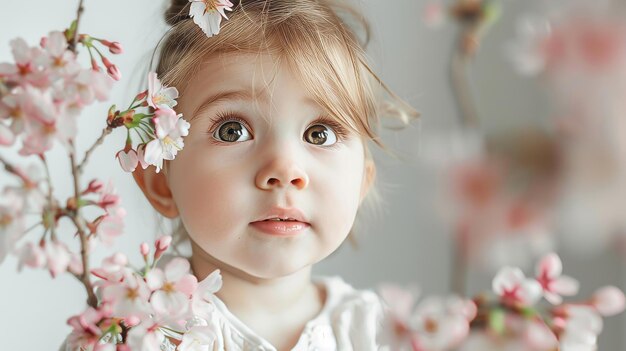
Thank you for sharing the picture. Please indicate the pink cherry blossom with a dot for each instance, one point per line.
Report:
(128, 298)
(170, 130)
(113, 270)
(12, 108)
(86, 332)
(158, 95)
(514, 288)
(608, 301)
(553, 283)
(109, 200)
(47, 121)
(30, 192)
(61, 62)
(207, 14)
(27, 69)
(172, 288)
(87, 86)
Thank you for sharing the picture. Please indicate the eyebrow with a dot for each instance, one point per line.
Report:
(227, 96)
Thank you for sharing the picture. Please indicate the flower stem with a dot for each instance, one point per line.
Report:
(51, 201)
(106, 131)
(92, 300)
(79, 13)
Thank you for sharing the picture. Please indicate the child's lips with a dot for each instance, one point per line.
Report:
(280, 228)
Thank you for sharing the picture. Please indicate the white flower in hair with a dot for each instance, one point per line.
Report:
(207, 14)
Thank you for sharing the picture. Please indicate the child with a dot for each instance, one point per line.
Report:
(274, 169)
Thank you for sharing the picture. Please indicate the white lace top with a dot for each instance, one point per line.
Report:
(349, 320)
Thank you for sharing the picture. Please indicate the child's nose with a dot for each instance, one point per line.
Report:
(281, 172)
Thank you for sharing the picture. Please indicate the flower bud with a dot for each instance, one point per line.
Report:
(43, 42)
(163, 243)
(141, 95)
(94, 186)
(116, 48)
(114, 72)
(144, 249)
(94, 65)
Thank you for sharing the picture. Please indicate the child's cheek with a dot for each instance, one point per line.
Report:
(209, 193)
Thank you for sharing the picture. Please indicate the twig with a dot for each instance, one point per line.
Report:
(51, 202)
(460, 83)
(84, 243)
(106, 131)
(79, 13)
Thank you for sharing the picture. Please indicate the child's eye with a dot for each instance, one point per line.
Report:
(320, 134)
(232, 131)
(231, 128)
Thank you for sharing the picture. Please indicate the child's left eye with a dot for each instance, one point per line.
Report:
(320, 134)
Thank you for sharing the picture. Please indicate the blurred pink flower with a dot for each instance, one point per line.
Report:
(145, 337)
(31, 255)
(608, 301)
(434, 14)
(61, 62)
(514, 288)
(113, 270)
(86, 332)
(58, 257)
(27, 69)
(111, 226)
(580, 327)
(553, 283)
(442, 323)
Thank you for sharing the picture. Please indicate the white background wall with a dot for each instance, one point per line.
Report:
(407, 243)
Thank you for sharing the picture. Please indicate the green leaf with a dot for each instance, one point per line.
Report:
(69, 33)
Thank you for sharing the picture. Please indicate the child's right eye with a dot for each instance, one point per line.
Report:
(232, 130)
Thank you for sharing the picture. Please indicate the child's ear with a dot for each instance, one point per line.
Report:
(156, 189)
(369, 175)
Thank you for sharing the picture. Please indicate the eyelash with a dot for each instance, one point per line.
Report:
(226, 116)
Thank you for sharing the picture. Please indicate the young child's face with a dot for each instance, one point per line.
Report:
(274, 160)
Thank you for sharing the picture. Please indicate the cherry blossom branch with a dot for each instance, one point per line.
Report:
(106, 131)
(79, 13)
(51, 203)
(461, 87)
(80, 227)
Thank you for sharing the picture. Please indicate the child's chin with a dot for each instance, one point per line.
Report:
(276, 269)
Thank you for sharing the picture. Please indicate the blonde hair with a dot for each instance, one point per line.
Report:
(312, 38)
